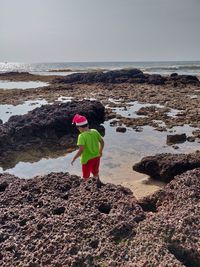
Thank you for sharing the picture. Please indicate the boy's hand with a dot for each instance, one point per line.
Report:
(80, 151)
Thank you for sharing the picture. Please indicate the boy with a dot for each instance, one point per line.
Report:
(91, 145)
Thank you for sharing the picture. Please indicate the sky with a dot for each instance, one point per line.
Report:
(99, 30)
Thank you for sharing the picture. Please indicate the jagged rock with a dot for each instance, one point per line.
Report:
(173, 75)
(116, 76)
(190, 138)
(1, 121)
(26, 76)
(14, 74)
(169, 236)
(175, 147)
(121, 129)
(184, 79)
(60, 220)
(176, 138)
(55, 217)
(156, 79)
(48, 123)
(165, 166)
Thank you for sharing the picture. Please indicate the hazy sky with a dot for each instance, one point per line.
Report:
(99, 30)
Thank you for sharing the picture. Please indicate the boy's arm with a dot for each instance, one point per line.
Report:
(80, 151)
(101, 146)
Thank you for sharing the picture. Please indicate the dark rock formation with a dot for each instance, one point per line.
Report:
(26, 76)
(165, 166)
(184, 79)
(117, 76)
(46, 126)
(156, 79)
(14, 74)
(170, 235)
(176, 138)
(121, 129)
(191, 139)
(127, 76)
(174, 75)
(60, 220)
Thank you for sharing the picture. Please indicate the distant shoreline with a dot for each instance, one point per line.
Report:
(159, 67)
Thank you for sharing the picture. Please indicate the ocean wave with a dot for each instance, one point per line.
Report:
(78, 70)
(172, 68)
(192, 67)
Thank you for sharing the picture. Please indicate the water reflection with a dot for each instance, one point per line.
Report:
(6, 111)
(121, 152)
(129, 109)
(21, 85)
(33, 154)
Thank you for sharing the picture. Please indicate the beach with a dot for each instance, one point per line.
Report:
(145, 210)
(148, 113)
(131, 71)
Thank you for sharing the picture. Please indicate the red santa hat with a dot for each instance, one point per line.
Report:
(79, 120)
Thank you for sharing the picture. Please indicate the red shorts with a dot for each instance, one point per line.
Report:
(92, 166)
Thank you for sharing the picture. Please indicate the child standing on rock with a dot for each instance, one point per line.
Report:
(91, 145)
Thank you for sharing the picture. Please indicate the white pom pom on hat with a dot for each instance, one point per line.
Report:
(79, 120)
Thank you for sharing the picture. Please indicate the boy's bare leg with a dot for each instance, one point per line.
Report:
(96, 177)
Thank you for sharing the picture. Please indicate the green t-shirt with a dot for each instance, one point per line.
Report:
(90, 140)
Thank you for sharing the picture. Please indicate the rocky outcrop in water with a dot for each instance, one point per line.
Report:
(25, 76)
(47, 124)
(183, 79)
(117, 76)
(60, 220)
(165, 166)
(15, 75)
(176, 138)
(126, 76)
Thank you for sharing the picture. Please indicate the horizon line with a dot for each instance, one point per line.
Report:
(101, 61)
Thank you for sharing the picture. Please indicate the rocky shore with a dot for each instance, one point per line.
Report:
(165, 166)
(174, 101)
(26, 77)
(59, 220)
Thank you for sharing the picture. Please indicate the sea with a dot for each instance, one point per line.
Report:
(64, 68)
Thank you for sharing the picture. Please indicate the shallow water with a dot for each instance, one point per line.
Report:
(6, 111)
(64, 99)
(131, 108)
(121, 151)
(21, 85)
(49, 73)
